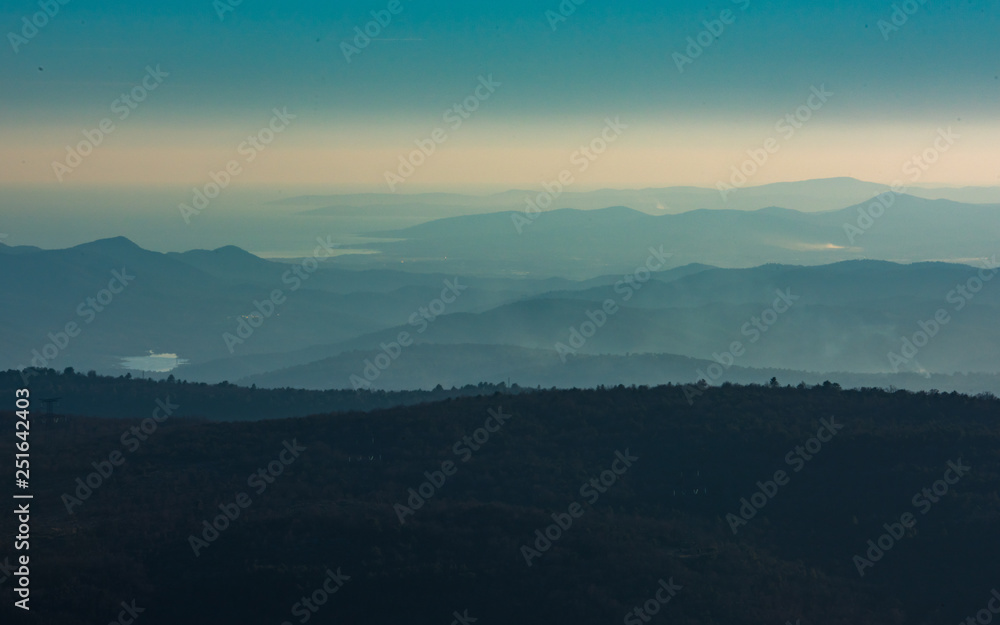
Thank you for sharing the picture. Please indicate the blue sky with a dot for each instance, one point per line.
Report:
(940, 68)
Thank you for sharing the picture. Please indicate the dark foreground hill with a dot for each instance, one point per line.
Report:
(753, 500)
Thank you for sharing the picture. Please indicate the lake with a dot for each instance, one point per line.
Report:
(158, 363)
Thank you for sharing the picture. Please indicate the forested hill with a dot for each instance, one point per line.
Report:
(758, 501)
(128, 397)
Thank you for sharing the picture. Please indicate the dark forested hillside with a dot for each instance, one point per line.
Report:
(128, 397)
(750, 503)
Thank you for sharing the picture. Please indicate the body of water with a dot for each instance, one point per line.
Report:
(159, 363)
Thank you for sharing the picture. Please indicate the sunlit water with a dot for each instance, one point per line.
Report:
(159, 363)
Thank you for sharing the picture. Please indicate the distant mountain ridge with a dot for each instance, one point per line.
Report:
(427, 366)
(806, 196)
(18, 249)
(849, 315)
(580, 244)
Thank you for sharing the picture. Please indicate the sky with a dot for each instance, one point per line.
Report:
(686, 115)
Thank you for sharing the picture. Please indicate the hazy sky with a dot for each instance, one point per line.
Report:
(892, 91)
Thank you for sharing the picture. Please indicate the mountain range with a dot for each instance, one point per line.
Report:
(581, 244)
(494, 305)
